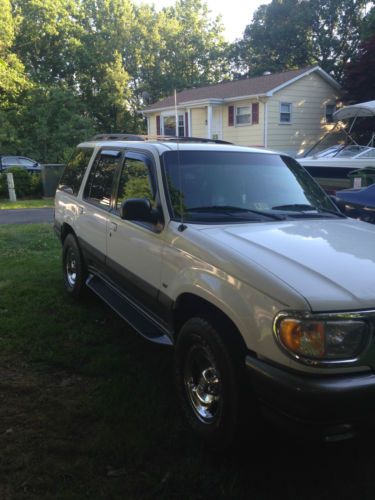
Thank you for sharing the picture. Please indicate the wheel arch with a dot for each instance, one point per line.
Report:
(65, 230)
(189, 305)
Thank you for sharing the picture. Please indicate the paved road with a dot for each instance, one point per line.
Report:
(26, 216)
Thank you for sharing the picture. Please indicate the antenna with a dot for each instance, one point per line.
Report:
(182, 226)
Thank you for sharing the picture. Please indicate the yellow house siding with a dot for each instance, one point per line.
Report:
(198, 122)
(308, 96)
(152, 124)
(243, 135)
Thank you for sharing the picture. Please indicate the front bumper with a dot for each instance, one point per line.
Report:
(320, 404)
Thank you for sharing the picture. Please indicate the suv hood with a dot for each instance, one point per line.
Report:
(331, 263)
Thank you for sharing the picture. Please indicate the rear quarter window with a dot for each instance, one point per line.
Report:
(75, 170)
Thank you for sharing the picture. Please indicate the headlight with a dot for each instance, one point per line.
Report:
(322, 339)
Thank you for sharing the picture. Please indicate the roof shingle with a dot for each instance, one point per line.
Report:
(245, 87)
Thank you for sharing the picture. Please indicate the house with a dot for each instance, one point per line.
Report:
(286, 111)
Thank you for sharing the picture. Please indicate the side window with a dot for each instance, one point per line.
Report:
(98, 188)
(75, 170)
(285, 112)
(135, 182)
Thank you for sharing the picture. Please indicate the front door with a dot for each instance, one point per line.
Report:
(134, 249)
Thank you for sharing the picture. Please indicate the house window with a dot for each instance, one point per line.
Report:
(285, 112)
(330, 109)
(169, 125)
(243, 115)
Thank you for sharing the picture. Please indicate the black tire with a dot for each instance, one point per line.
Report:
(217, 421)
(73, 267)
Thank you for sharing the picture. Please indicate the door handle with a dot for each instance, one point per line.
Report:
(113, 226)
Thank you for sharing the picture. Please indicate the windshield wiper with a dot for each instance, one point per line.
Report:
(298, 207)
(304, 208)
(229, 209)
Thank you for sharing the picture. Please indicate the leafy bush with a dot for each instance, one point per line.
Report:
(26, 184)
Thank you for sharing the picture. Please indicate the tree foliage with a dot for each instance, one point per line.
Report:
(358, 82)
(289, 34)
(70, 68)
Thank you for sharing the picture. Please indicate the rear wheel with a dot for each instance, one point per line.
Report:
(73, 267)
(207, 378)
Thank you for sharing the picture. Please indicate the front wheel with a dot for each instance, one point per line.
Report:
(208, 382)
(73, 267)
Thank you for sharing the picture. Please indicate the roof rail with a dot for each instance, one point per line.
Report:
(118, 137)
(162, 138)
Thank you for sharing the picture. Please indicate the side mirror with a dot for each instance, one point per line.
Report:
(65, 188)
(138, 209)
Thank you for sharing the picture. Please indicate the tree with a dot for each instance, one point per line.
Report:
(276, 39)
(12, 76)
(289, 34)
(358, 82)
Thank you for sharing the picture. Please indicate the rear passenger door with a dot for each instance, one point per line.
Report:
(134, 248)
(91, 223)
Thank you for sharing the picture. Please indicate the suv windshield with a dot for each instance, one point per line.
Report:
(224, 185)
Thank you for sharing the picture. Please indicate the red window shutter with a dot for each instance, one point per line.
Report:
(186, 124)
(230, 116)
(255, 113)
(158, 125)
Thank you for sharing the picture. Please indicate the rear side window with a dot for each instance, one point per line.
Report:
(75, 170)
(98, 188)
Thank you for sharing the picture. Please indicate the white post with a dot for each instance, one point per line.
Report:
(209, 121)
(11, 188)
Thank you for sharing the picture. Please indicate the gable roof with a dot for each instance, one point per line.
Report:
(247, 87)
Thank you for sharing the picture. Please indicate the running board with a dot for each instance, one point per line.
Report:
(129, 312)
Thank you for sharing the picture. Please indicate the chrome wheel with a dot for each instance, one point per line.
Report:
(71, 268)
(203, 385)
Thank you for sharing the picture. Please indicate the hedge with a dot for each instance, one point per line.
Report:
(28, 185)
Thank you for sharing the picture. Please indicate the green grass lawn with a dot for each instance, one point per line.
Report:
(42, 203)
(88, 408)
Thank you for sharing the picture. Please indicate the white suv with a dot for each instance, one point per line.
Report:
(239, 259)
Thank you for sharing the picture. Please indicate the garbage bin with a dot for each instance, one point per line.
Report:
(51, 174)
(362, 177)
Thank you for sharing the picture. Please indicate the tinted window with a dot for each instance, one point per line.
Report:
(26, 162)
(10, 160)
(75, 170)
(99, 183)
(135, 182)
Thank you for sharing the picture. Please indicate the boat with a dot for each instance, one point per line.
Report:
(347, 147)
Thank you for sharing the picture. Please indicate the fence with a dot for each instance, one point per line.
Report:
(32, 185)
(51, 173)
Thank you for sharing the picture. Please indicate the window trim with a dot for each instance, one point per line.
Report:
(94, 159)
(147, 158)
(79, 193)
(249, 107)
(168, 114)
(290, 104)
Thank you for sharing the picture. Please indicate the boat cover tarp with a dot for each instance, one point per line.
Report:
(361, 109)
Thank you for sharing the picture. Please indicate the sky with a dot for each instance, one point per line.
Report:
(236, 14)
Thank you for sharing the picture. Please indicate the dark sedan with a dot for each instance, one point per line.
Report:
(357, 203)
(19, 161)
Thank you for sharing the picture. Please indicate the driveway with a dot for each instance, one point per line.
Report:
(26, 215)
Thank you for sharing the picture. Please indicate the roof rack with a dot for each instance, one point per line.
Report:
(163, 138)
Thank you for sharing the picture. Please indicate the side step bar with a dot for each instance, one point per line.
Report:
(123, 307)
